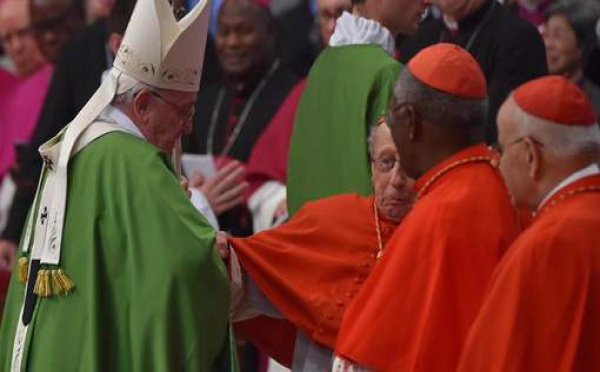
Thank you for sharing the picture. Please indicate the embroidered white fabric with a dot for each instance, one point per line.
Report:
(263, 204)
(351, 29)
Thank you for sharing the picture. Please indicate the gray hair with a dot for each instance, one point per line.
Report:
(559, 141)
(126, 97)
(465, 116)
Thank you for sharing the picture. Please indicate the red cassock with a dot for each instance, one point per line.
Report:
(542, 312)
(416, 308)
(310, 268)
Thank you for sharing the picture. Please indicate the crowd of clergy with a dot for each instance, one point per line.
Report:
(304, 185)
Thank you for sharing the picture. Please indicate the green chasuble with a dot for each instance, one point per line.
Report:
(150, 292)
(347, 90)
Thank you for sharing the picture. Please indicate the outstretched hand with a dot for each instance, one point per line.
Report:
(225, 189)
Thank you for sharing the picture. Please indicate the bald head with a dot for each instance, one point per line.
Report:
(537, 154)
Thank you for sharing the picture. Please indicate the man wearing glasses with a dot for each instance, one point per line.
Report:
(311, 267)
(541, 311)
(117, 270)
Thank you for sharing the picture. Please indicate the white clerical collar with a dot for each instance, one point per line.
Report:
(351, 29)
(590, 170)
(119, 118)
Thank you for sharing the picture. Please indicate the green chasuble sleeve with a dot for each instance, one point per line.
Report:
(347, 90)
(150, 292)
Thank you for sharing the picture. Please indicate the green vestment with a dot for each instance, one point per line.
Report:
(347, 90)
(150, 292)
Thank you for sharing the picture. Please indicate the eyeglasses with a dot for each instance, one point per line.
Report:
(500, 149)
(185, 115)
(385, 164)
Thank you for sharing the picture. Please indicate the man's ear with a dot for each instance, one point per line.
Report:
(535, 159)
(140, 105)
(114, 41)
(412, 120)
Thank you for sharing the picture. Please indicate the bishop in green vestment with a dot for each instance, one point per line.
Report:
(347, 90)
(117, 269)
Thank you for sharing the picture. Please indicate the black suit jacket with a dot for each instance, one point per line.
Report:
(509, 50)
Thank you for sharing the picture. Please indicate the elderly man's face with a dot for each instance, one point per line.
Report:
(164, 116)
(562, 52)
(394, 192)
(513, 164)
(243, 40)
(17, 37)
(329, 11)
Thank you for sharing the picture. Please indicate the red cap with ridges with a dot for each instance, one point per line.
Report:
(450, 69)
(557, 99)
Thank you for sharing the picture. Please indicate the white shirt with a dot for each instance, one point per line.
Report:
(351, 30)
(590, 170)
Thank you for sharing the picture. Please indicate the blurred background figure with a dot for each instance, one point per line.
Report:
(97, 9)
(24, 78)
(328, 11)
(32, 33)
(23, 54)
(570, 38)
(232, 113)
(55, 22)
(531, 10)
(510, 51)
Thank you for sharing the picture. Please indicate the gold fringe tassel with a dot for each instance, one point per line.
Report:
(66, 283)
(38, 283)
(23, 269)
(53, 283)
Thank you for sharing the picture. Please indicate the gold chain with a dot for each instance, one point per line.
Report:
(474, 159)
(568, 194)
(378, 230)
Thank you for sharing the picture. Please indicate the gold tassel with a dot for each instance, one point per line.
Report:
(46, 284)
(65, 281)
(23, 269)
(38, 283)
(57, 286)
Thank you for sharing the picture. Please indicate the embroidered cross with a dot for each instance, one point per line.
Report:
(44, 215)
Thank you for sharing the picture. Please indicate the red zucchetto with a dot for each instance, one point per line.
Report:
(450, 69)
(556, 99)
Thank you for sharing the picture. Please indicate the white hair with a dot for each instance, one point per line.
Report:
(127, 88)
(558, 140)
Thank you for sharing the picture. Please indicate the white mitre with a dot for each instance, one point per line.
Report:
(157, 50)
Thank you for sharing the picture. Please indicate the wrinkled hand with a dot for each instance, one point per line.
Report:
(8, 251)
(223, 190)
(221, 244)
